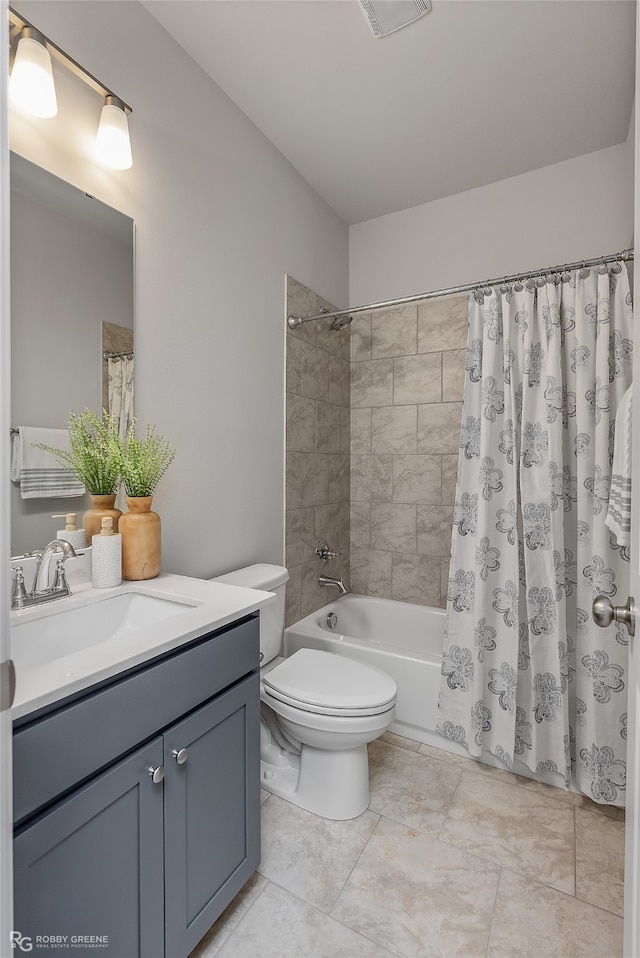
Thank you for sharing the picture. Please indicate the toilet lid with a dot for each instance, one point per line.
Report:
(325, 681)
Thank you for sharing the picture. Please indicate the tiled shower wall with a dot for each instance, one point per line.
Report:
(317, 453)
(407, 373)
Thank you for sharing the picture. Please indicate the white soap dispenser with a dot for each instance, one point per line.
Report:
(106, 561)
(74, 536)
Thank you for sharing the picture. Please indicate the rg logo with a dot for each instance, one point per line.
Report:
(23, 942)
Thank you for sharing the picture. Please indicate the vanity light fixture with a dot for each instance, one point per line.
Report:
(31, 87)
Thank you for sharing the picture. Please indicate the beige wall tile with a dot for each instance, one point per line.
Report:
(301, 424)
(434, 530)
(300, 534)
(294, 477)
(442, 323)
(336, 341)
(416, 479)
(315, 372)
(339, 480)
(361, 431)
(371, 478)
(394, 429)
(371, 573)
(339, 379)
(295, 353)
(416, 579)
(439, 428)
(332, 526)
(329, 428)
(394, 332)
(293, 595)
(361, 337)
(301, 301)
(313, 595)
(417, 379)
(314, 479)
(449, 477)
(372, 383)
(393, 527)
(453, 374)
(345, 430)
(360, 525)
(444, 582)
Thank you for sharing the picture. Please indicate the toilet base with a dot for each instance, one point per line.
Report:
(333, 784)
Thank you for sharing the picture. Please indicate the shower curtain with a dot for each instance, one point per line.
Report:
(120, 386)
(526, 673)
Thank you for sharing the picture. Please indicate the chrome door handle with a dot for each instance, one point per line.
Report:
(181, 755)
(156, 774)
(604, 613)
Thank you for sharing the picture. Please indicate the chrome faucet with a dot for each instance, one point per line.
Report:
(21, 599)
(338, 583)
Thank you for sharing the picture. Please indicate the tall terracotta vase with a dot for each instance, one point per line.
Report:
(101, 506)
(140, 530)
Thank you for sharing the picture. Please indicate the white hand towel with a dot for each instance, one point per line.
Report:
(39, 473)
(619, 513)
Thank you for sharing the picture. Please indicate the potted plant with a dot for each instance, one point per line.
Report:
(143, 462)
(94, 458)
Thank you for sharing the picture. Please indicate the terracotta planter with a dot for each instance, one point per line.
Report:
(140, 530)
(101, 506)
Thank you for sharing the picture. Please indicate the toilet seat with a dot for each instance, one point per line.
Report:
(329, 684)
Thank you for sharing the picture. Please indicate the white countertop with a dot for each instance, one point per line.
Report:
(208, 606)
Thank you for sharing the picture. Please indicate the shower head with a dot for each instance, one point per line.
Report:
(340, 322)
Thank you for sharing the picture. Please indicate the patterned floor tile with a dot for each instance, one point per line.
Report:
(401, 741)
(600, 860)
(309, 855)
(514, 827)
(469, 764)
(532, 920)
(410, 788)
(228, 920)
(279, 925)
(419, 897)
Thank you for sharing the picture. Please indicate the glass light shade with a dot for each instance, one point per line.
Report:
(113, 145)
(31, 86)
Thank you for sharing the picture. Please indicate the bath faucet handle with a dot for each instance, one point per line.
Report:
(18, 591)
(323, 552)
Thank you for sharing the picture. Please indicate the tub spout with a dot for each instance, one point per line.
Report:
(338, 583)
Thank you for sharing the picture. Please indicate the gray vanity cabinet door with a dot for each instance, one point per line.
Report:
(212, 824)
(92, 865)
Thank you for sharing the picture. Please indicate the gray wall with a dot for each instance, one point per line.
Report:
(220, 217)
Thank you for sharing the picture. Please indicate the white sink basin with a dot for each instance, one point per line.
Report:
(53, 632)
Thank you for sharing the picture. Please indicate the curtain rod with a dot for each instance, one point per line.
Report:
(627, 254)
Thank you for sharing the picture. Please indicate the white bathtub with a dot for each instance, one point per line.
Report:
(402, 639)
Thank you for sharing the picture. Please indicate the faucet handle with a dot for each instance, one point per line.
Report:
(61, 584)
(323, 552)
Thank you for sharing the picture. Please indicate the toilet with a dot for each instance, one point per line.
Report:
(318, 712)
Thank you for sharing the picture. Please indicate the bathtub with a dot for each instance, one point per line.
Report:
(402, 639)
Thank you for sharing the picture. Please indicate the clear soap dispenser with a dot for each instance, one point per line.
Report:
(74, 536)
(106, 560)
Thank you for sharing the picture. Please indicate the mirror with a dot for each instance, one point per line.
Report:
(72, 265)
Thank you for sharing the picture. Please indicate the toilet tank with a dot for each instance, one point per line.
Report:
(269, 578)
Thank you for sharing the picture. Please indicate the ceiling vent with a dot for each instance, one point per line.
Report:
(387, 16)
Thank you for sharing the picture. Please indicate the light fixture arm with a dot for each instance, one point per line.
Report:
(18, 24)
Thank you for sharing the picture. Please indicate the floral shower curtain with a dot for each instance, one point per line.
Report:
(120, 387)
(526, 673)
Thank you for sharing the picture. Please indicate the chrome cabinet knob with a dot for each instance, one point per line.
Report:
(156, 774)
(604, 613)
(181, 755)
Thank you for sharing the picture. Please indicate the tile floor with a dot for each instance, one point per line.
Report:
(452, 859)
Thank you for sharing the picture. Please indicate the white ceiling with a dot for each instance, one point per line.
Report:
(475, 92)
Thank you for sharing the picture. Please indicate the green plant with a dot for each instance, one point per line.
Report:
(94, 452)
(143, 462)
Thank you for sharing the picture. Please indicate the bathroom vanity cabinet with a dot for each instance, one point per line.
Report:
(137, 803)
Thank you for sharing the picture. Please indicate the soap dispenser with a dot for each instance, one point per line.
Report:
(74, 536)
(106, 561)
